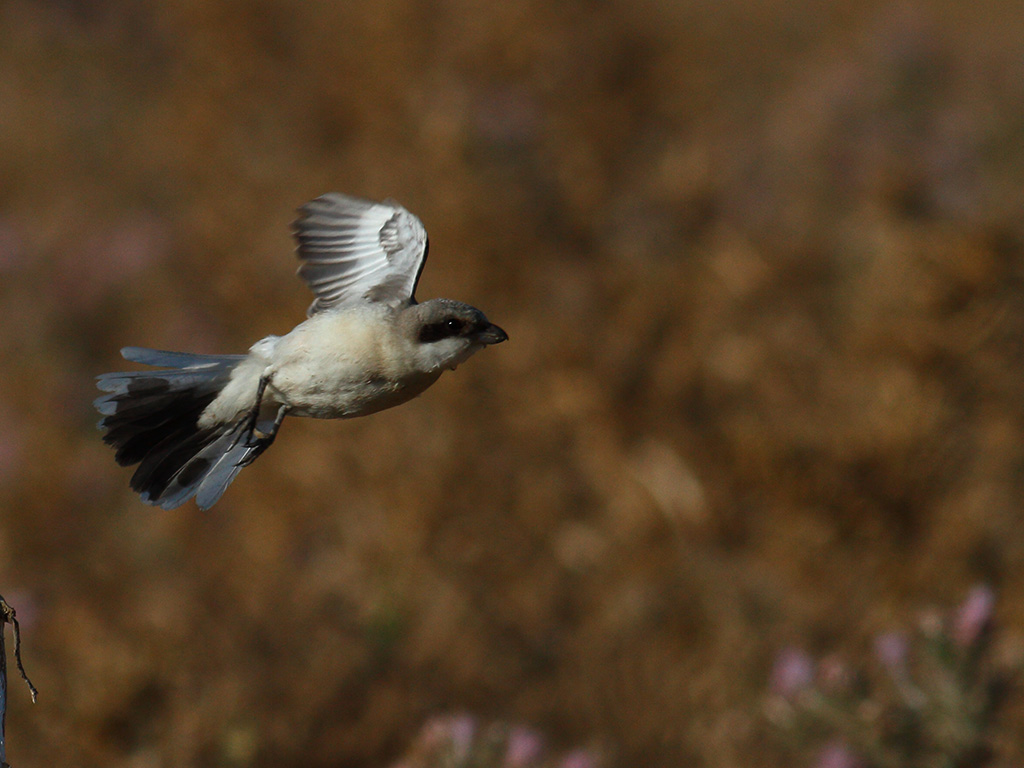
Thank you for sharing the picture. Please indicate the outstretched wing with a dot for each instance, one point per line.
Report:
(356, 250)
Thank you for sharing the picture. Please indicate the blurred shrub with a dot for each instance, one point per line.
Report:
(460, 741)
(928, 700)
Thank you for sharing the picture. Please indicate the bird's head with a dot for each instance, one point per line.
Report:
(445, 333)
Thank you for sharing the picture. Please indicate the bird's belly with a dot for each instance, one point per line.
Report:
(340, 394)
(344, 364)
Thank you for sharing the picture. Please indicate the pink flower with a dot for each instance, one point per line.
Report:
(524, 748)
(461, 729)
(792, 674)
(892, 649)
(973, 617)
(579, 758)
(836, 754)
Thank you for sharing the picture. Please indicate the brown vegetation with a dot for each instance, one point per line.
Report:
(761, 267)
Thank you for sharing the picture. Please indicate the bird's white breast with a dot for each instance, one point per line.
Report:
(336, 364)
(345, 363)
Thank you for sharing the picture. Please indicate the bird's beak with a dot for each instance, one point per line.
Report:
(492, 335)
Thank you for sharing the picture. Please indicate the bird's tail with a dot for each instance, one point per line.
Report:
(151, 418)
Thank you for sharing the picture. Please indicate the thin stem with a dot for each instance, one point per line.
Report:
(7, 616)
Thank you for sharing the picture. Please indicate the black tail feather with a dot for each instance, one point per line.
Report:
(160, 465)
(151, 419)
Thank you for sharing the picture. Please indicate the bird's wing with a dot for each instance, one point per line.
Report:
(356, 250)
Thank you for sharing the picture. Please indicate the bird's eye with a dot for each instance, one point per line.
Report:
(443, 329)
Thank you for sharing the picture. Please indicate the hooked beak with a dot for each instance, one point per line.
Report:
(492, 334)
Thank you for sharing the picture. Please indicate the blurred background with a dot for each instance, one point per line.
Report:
(761, 267)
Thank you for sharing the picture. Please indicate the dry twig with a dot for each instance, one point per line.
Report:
(7, 616)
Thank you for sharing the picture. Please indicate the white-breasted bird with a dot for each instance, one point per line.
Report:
(367, 345)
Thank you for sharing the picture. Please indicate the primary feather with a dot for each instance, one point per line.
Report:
(356, 250)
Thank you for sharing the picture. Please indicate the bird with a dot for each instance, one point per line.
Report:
(192, 422)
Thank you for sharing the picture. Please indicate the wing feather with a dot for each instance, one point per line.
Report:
(355, 250)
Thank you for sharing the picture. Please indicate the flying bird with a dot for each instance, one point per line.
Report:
(366, 345)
